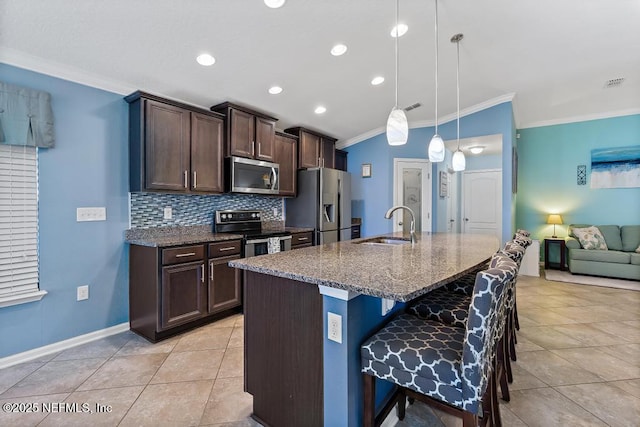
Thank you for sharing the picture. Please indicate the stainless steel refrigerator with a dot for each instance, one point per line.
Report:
(323, 203)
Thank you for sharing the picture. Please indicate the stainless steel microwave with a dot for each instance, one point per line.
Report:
(252, 176)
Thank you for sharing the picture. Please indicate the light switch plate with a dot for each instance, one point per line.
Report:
(91, 214)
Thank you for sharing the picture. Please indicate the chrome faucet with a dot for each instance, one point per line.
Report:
(412, 227)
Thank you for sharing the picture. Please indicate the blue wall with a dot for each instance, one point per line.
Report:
(373, 196)
(547, 181)
(87, 167)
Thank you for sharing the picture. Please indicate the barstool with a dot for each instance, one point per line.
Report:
(445, 366)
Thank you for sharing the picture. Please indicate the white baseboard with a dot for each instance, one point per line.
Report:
(391, 420)
(62, 345)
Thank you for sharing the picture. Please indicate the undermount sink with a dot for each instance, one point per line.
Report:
(385, 241)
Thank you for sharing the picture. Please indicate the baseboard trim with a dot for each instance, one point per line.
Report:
(26, 356)
(391, 420)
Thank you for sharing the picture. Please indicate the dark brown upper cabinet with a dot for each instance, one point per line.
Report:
(173, 146)
(249, 133)
(341, 160)
(314, 149)
(286, 155)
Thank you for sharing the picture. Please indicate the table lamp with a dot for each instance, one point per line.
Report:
(554, 219)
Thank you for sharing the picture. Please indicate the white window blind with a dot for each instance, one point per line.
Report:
(18, 225)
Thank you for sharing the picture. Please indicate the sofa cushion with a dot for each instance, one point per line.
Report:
(630, 237)
(617, 257)
(590, 238)
(635, 258)
(611, 234)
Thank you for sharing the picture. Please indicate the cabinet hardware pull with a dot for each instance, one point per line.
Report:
(186, 177)
(302, 238)
(211, 271)
(259, 149)
(318, 161)
(187, 254)
(253, 148)
(202, 276)
(195, 180)
(230, 248)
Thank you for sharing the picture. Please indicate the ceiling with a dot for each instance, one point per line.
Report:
(551, 57)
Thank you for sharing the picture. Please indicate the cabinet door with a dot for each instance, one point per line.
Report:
(265, 139)
(308, 150)
(327, 154)
(183, 294)
(241, 133)
(206, 153)
(224, 284)
(167, 141)
(286, 155)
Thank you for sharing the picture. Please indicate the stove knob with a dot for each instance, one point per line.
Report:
(223, 216)
(253, 215)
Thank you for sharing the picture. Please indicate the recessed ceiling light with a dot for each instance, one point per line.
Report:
(320, 109)
(476, 149)
(338, 50)
(274, 90)
(377, 80)
(206, 59)
(274, 4)
(401, 30)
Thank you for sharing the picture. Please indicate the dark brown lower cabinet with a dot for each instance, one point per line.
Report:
(183, 295)
(283, 350)
(170, 289)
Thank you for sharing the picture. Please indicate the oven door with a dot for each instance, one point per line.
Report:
(255, 247)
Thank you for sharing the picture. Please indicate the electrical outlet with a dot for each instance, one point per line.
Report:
(275, 212)
(168, 212)
(334, 327)
(83, 292)
(91, 214)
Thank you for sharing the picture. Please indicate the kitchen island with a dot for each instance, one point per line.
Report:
(296, 375)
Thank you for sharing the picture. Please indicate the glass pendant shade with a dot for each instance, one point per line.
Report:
(436, 149)
(458, 162)
(397, 127)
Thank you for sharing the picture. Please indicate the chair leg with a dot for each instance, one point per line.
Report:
(369, 398)
(515, 315)
(496, 421)
(503, 368)
(402, 405)
(512, 337)
(469, 420)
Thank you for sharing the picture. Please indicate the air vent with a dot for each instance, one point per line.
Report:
(614, 82)
(413, 107)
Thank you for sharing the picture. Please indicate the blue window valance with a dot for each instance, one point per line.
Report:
(26, 117)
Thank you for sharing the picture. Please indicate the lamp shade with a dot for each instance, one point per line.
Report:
(554, 219)
(436, 149)
(397, 127)
(458, 162)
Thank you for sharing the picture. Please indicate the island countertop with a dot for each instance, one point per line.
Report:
(398, 272)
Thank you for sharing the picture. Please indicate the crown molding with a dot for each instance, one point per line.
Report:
(582, 118)
(34, 63)
(428, 123)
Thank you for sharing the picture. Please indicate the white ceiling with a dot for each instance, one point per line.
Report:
(553, 56)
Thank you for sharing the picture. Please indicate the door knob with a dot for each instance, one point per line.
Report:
(466, 219)
(400, 223)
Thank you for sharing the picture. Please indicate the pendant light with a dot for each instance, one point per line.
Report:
(397, 126)
(459, 163)
(436, 146)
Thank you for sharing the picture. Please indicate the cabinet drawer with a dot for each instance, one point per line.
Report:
(301, 239)
(226, 248)
(182, 254)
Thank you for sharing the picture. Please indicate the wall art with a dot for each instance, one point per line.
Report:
(615, 167)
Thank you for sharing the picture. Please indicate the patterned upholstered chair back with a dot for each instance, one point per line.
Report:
(523, 241)
(522, 232)
(482, 326)
(513, 251)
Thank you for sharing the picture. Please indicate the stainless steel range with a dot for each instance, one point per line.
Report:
(248, 223)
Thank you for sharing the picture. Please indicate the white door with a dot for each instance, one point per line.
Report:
(482, 202)
(412, 188)
(453, 213)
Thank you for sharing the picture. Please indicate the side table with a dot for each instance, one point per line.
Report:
(563, 250)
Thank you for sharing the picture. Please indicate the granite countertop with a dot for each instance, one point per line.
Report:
(173, 236)
(398, 272)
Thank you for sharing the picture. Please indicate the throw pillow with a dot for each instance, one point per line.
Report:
(638, 249)
(590, 238)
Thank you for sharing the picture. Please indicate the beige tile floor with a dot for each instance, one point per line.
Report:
(578, 365)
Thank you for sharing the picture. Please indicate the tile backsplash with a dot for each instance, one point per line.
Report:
(147, 209)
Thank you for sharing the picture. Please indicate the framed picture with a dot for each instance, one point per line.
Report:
(366, 170)
(444, 184)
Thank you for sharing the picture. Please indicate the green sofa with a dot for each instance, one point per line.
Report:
(620, 260)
